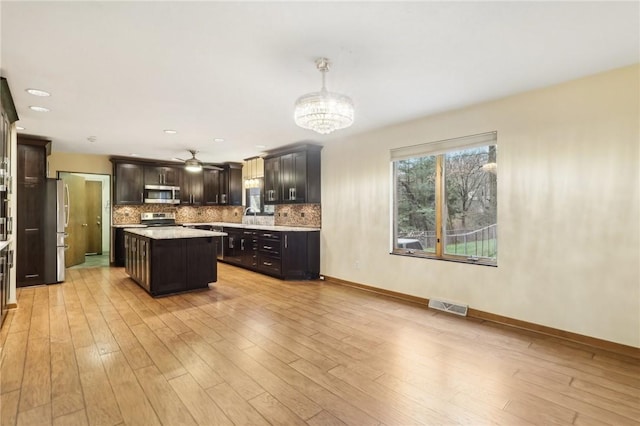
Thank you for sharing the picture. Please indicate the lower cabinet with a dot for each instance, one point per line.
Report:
(170, 266)
(242, 247)
(282, 254)
(6, 262)
(118, 247)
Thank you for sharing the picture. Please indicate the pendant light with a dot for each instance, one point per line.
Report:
(323, 111)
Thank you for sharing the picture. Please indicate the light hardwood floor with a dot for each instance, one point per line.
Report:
(255, 350)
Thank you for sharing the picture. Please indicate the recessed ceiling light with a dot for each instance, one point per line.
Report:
(134, 155)
(19, 128)
(39, 108)
(261, 146)
(38, 92)
(170, 131)
(218, 140)
(92, 139)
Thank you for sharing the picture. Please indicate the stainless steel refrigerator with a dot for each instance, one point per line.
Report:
(56, 215)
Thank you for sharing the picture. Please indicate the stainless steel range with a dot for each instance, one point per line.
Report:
(158, 219)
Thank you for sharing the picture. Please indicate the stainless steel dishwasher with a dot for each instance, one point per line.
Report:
(221, 242)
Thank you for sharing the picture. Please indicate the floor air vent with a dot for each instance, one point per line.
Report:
(453, 308)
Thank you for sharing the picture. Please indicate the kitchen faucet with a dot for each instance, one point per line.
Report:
(255, 219)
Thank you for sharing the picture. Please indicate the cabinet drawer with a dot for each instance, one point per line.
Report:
(269, 247)
(269, 264)
(271, 235)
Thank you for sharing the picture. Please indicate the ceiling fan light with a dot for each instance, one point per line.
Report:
(192, 165)
(323, 111)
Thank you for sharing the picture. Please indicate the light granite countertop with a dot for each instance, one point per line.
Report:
(261, 227)
(4, 244)
(173, 232)
(130, 225)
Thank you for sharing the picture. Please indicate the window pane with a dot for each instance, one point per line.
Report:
(416, 203)
(470, 216)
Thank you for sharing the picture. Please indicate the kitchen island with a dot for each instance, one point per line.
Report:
(169, 260)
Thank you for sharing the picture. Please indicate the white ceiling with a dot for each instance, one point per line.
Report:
(125, 71)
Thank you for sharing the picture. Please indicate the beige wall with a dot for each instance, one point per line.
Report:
(567, 209)
(82, 163)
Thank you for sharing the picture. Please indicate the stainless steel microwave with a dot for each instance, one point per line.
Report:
(161, 194)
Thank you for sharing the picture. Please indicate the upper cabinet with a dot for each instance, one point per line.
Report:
(32, 160)
(192, 189)
(223, 187)
(233, 185)
(292, 175)
(128, 183)
(162, 175)
(211, 179)
(272, 187)
(211, 187)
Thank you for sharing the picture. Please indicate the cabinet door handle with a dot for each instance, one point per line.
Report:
(267, 263)
(267, 247)
(10, 258)
(286, 242)
(141, 197)
(242, 244)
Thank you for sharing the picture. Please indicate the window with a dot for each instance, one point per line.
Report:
(445, 199)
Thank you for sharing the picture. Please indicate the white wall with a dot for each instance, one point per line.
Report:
(568, 212)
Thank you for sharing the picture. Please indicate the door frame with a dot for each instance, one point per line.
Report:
(106, 203)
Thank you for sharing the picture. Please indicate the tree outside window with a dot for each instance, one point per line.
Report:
(446, 205)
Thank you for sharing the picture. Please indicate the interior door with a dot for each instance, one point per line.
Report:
(94, 216)
(76, 228)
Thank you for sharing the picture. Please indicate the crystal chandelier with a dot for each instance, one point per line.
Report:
(323, 111)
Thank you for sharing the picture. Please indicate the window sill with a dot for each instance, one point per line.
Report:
(458, 259)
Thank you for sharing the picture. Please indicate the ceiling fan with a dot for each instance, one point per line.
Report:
(194, 165)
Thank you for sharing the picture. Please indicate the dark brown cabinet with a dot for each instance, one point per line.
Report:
(210, 187)
(6, 260)
(192, 189)
(161, 175)
(272, 188)
(232, 185)
(242, 247)
(282, 254)
(293, 175)
(223, 187)
(211, 180)
(167, 266)
(128, 183)
(8, 115)
(30, 235)
(5, 169)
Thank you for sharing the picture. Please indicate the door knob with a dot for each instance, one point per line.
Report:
(84, 224)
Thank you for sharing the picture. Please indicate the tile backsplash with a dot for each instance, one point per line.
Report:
(308, 215)
(127, 215)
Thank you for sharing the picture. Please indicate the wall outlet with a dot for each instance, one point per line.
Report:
(301, 214)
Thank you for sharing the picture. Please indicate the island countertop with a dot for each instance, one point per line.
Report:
(261, 227)
(173, 232)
